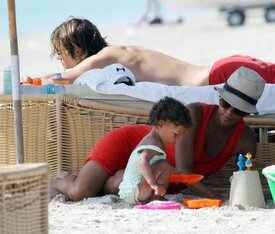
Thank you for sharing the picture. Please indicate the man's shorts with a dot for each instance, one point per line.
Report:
(223, 68)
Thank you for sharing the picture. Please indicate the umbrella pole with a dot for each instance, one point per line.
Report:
(16, 95)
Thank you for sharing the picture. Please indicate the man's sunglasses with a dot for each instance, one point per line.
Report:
(224, 104)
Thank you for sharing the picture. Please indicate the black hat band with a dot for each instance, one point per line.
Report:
(239, 94)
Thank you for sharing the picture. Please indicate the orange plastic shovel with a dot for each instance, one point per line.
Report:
(201, 203)
(186, 179)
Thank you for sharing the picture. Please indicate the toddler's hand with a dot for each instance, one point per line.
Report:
(159, 189)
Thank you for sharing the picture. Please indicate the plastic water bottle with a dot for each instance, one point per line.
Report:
(7, 80)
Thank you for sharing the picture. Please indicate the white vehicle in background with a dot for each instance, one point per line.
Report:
(235, 10)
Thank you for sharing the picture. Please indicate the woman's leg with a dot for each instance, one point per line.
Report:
(162, 171)
(88, 183)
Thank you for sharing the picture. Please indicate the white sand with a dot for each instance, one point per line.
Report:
(199, 41)
(109, 214)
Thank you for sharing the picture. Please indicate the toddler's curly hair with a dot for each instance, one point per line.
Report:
(172, 110)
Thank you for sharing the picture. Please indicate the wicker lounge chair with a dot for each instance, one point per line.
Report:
(62, 129)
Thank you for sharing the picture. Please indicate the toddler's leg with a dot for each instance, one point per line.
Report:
(162, 171)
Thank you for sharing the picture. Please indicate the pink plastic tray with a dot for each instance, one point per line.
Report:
(160, 205)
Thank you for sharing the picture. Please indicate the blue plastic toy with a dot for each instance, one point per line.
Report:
(241, 162)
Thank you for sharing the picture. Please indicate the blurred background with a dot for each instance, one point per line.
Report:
(196, 33)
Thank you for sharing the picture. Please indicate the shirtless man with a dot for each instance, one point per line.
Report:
(79, 46)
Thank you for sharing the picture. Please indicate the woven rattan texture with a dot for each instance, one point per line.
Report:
(39, 130)
(24, 198)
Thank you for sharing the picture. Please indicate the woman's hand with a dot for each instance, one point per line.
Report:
(211, 193)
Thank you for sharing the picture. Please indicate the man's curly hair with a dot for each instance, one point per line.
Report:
(172, 110)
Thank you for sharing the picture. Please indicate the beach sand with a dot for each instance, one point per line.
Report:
(109, 214)
(200, 41)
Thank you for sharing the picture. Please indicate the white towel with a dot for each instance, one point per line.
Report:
(102, 81)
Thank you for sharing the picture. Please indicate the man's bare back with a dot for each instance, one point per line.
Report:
(147, 65)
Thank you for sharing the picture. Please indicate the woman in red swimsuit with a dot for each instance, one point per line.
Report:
(218, 133)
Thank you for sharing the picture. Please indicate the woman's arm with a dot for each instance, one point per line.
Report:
(247, 143)
(184, 157)
(185, 151)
